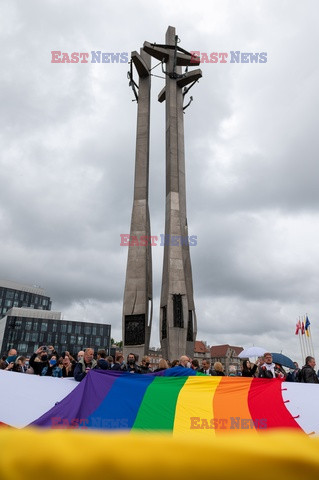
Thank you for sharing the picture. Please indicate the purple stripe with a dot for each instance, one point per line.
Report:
(81, 402)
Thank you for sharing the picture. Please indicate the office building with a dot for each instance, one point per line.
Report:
(26, 329)
(25, 296)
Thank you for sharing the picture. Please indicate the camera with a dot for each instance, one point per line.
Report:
(44, 348)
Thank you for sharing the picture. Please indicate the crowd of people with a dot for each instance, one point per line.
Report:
(47, 362)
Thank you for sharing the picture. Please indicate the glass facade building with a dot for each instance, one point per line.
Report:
(26, 330)
(18, 295)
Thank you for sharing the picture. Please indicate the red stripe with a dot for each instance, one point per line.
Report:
(265, 402)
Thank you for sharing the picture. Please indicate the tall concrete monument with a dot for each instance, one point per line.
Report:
(137, 305)
(178, 326)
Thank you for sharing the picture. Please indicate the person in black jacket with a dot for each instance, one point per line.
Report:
(40, 358)
(206, 368)
(102, 362)
(248, 370)
(162, 365)
(145, 365)
(308, 373)
(119, 363)
(195, 364)
(131, 365)
(68, 367)
(218, 370)
(293, 373)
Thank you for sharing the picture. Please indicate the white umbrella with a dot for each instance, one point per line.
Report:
(252, 352)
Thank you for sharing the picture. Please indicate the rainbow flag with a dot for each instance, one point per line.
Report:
(174, 400)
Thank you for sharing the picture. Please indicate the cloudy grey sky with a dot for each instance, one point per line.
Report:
(251, 138)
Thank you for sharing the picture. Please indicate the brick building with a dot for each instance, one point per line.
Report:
(226, 355)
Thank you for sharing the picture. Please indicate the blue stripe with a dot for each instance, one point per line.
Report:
(119, 408)
(179, 372)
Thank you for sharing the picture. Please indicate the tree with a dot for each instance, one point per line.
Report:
(118, 344)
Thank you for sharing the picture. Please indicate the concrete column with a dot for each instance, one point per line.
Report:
(137, 304)
(177, 289)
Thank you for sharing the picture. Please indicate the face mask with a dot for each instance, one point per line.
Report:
(44, 358)
(52, 362)
(131, 361)
(147, 364)
(12, 358)
(188, 365)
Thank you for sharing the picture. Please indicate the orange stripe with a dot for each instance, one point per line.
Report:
(230, 405)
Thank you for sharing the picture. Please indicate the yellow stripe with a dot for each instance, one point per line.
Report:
(194, 409)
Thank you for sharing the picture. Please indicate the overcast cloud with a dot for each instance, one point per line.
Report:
(67, 137)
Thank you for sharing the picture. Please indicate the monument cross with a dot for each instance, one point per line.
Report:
(178, 326)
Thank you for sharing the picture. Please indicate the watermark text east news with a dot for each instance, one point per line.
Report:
(165, 240)
(85, 57)
(234, 423)
(230, 57)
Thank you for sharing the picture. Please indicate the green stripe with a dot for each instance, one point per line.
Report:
(157, 410)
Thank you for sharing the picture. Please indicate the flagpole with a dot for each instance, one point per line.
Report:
(306, 336)
(309, 345)
(299, 335)
(300, 340)
(312, 350)
(308, 331)
(303, 341)
(309, 352)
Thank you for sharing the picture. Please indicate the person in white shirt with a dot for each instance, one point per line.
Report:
(267, 369)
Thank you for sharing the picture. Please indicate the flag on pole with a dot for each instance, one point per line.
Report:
(298, 327)
(302, 328)
(307, 326)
